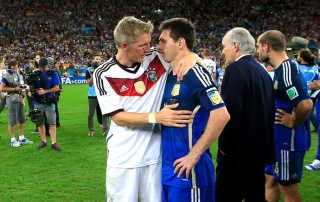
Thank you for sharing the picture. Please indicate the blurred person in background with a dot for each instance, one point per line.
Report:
(211, 65)
(12, 84)
(3, 71)
(309, 68)
(92, 98)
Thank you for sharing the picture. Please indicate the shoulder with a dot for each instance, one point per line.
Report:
(105, 68)
(199, 73)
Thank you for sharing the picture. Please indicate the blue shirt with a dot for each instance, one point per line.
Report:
(4, 80)
(316, 77)
(290, 89)
(308, 73)
(197, 88)
(91, 90)
(50, 80)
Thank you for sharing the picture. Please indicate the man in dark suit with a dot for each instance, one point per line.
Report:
(246, 144)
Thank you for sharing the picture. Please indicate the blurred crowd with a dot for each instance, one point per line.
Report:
(57, 27)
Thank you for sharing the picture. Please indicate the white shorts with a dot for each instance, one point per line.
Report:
(134, 184)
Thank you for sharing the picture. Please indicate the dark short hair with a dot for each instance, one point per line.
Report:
(180, 28)
(13, 63)
(307, 56)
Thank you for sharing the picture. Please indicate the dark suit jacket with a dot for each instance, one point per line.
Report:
(247, 91)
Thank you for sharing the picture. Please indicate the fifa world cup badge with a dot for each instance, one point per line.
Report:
(176, 89)
(275, 86)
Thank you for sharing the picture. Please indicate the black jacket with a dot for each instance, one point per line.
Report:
(247, 91)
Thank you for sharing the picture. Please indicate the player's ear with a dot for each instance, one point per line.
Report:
(124, 45)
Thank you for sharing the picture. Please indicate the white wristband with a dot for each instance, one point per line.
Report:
(152, 117)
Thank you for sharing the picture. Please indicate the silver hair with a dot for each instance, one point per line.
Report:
(247, 44)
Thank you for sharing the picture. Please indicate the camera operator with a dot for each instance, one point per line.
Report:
(92, 98)
(12, 84)
(44, 99)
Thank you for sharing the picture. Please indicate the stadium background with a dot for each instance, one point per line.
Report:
(69, 31)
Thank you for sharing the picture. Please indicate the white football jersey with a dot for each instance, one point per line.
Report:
(211, 65)
(137, 89)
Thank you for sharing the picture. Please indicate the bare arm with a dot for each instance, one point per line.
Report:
(315, 85)
(167, 116)
(217, 121)
(54, 89)
(90, 81)
(214, 77)
(186, 63)
(300, 114)
(4, 88)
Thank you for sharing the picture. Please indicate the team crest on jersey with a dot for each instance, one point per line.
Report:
(152, 76)
(214, 96)
(140, 87)
(176, 89)
(292, 93)
(275, 86)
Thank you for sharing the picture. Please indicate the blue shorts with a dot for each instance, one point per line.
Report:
(288, 167)
(202, 194)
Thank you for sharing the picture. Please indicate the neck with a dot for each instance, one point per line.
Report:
(175, 63)
(303, 62)
(123, 59)
(278, 58)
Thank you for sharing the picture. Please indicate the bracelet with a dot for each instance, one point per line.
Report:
(152, 117)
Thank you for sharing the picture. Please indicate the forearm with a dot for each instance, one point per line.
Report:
(131, 118)
(215, 125)
(52, 90)
(200, 61)
(301, 112)
(315, 85)
(9, 89)
(90, 81)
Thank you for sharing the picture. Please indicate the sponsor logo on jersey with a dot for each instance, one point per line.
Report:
(124, 88)
(292, 93)
(176, 89)
(140, 87)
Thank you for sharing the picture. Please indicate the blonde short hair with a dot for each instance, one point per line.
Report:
(129, 29)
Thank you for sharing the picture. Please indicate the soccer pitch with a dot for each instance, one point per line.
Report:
(77, 173)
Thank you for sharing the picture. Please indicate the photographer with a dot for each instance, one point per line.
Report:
(12, 84)
(92, 98)
(44, 101)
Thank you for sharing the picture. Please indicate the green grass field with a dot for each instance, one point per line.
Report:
(77, 173)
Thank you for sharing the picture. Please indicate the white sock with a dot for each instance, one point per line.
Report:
(21, 137)
(13, 139)
(53, 143)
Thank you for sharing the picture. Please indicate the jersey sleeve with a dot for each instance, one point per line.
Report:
(55, 79)
(4, 80)
(88, 75)
(203, 87)
(291, 82)
(109, 100)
